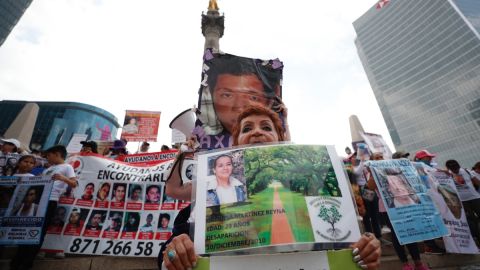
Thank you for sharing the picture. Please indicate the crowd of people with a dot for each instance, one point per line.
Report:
(373, 211)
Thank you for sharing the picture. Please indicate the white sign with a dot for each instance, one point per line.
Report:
(74, 146)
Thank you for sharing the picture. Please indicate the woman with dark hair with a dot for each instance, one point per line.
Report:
(225, 188)
(24, 166)
(28, 207)
(255, 125)
(102, 193)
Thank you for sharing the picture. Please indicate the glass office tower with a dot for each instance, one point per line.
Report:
(422, 59)
(10, 13)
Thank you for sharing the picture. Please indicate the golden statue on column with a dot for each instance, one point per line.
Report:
(212, 5)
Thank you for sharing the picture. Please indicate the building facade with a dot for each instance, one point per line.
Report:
(10, 13)
(58, 121)
(422, 59)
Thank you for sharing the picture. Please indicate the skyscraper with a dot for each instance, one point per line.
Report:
(422, 59)
(10, 12)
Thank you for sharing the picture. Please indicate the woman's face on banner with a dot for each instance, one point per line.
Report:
(103, 192)
(223, 167)
(453, 203)
(233, 93)
(31, 196)
(74, 217)
(397, 186)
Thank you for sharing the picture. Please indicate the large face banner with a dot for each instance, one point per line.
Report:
(229, 84)
(258, 197)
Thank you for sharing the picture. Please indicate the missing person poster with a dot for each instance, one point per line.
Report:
(377, 144)
(444, 193)
(277, 195)
(410, 208)
(23, 204)
(117, 209)
(230, 83)
(140, 126)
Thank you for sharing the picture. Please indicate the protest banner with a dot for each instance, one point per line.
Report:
(264, 196)
(410, 209)
(140, 126)
(377, 144)
(23, 205)
(118, 209)
(223, 93)
(149, 158)
(325, 260)
(442, 189)
(74, 146)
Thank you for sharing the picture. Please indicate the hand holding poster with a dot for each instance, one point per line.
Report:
(272, 195)
(444, 194)
(410, 209)
(22, 208)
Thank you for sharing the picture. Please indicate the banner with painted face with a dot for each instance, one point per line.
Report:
(442, 189)
(229, 84)
(262, 197)
(410, 208)
(23, 205)
(117, 209)
(140, 126)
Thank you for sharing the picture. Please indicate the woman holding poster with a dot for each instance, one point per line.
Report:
(256, 125)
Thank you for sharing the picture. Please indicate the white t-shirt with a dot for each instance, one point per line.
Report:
(226, 195)
(476, 175)
(466, 191)
(59, 187)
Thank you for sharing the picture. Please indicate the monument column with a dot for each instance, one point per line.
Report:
(212, 26)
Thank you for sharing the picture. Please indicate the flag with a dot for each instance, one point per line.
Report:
(382, 3)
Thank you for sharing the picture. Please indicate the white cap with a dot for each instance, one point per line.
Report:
(12, 141)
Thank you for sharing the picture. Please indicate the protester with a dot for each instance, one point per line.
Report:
(164, 148)
(24, 166)
(143, 148)
(470, 198)
(475, 172)
(63, 176)
(10, 146)
(256, 124)
(89, 147)
(399, 249)
(426, 158)
(118, 149)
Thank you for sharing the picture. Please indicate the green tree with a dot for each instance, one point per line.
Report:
(331, 216)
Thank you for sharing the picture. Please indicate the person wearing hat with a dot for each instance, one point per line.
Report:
(89, 147)
(143, 148)
(9, 146)
(425, 157)
(118, 149)
(400, 154)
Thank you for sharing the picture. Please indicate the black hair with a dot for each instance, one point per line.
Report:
(235, 65)
(21, 159)
(152, 186)
(58, 149)
(452, 164)
(224, 155)
(90, 184)
(165, 215)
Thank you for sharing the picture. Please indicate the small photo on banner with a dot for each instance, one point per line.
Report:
(135, 197)
(165, 225)
(114, 224)
(141, 126)
(131, 224)
(118, 196)
(152, 197)
(85, 192)
(230, 83)
(148, 225)
(168, 203)
(76, 221)
(95, 223)
(59, 219)
(103, 193)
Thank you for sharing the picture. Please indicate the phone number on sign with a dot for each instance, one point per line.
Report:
(115, 248)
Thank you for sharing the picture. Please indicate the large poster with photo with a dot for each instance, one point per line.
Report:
(140, 126)
(377, 144)
(118, 209)
(277, 195)
(442, 189)
(229, 83)
(410, 208)
(8, 163)
(23, 204)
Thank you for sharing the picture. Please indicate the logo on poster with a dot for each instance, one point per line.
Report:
(33, 233)
(328, 211)
(77, 165)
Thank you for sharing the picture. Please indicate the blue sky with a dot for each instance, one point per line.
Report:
(146, 55)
